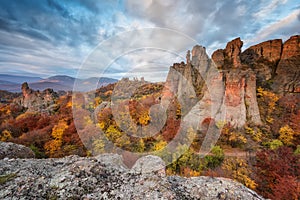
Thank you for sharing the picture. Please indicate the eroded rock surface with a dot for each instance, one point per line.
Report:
(287, 79)
(102, 178)
(11, 150)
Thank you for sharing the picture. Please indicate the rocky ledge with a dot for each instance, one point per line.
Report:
(11, 150)
(106, 177)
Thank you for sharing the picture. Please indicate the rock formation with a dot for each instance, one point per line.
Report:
(276, 64)
(287, 76)
(106, 177)
(11, 150)
(232, 52)
(270, 65)
(36, 101)
(263, 59)
(229, 92)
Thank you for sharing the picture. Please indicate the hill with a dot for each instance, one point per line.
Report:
(59, 82)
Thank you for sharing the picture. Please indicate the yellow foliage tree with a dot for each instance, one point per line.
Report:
(144, 118)
(139, 146)
(159, 145)
(256, 135)
(270, 98)
(53, 147)
(112, 133)
(238, 169)
(236, 139)
(5, 135)
(286, 135)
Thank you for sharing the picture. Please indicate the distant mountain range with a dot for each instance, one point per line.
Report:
(13, 83)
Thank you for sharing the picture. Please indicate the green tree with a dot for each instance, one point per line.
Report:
(216, 159)
(274, 144)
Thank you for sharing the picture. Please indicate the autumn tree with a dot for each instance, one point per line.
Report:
(286, 135)
(5, 135)
(54, 146)
(274, 169)
(237, 169)
(267, 101)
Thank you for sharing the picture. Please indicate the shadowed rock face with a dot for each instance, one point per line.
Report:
(287, 76)
(106, 177)
(270, 50)
(276, 65)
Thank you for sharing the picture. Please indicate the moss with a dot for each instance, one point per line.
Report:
(7, 177)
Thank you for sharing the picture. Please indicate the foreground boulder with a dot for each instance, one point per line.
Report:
(106, 177)
(11, 150)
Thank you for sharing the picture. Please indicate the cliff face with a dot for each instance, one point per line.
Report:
(263, 59)
(107, 177)
(240, 102)
(287, 76)
(277, 65)
(270, 64)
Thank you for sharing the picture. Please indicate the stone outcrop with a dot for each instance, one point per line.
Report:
(36, 101)
(270, 50)
(263, 59)
(237, 92)
(277, 65)
(105, 177)
(11, 150)
(232, 52)
(230, 56)
(287, 76)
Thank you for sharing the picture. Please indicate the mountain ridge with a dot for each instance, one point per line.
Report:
(13, 83)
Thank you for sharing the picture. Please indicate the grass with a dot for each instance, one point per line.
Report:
(7, 177)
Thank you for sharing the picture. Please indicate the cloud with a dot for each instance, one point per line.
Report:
(268, 8)
(52, 36)
(211, 22)
(282, 28)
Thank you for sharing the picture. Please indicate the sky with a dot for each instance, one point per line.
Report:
(125, 38)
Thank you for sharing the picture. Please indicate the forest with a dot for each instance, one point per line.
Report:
(264, 158)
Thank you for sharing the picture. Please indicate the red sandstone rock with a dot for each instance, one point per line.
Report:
(287, 78)
(233, 51)
(270, 50)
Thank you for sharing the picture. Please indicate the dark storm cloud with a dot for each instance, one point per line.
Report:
(50, 20)
(47, 36)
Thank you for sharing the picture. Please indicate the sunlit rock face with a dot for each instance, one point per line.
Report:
(224, 88)
(226, 84)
